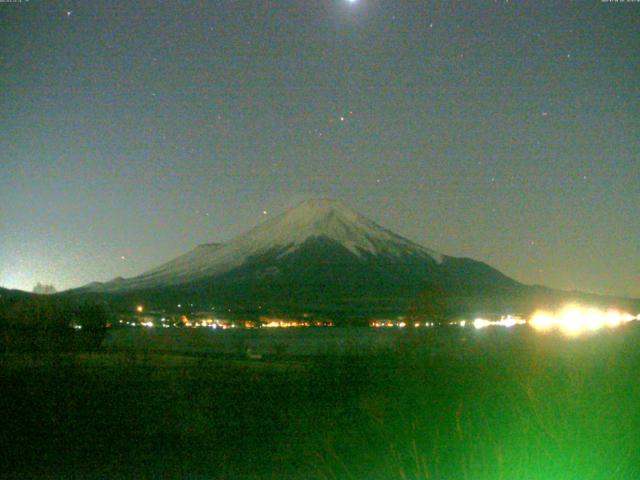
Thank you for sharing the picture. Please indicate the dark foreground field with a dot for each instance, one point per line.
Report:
(494, 407)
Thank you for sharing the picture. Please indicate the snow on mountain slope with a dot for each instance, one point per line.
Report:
(183, 265)
(320, 218)
(330, 219)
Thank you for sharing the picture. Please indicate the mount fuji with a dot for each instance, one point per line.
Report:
(318, 256)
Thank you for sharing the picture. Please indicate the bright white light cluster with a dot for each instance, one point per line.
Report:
(573, 320)
(508, 321)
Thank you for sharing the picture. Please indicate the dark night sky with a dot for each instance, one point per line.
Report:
(509, 132)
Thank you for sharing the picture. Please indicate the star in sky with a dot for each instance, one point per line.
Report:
(211, 108)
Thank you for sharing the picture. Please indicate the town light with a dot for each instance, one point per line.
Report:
(574, 320)
(481, 323)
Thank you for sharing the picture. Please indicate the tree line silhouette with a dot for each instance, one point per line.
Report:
(51, 324)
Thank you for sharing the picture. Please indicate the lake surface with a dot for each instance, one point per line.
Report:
(337, 340)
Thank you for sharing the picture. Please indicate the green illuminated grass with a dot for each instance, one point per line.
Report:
(491, 406)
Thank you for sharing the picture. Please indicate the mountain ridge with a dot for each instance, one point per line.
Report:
(284, 233)
(323, 258)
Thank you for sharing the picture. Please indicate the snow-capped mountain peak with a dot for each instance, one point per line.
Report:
(335, 221)
(325, 219)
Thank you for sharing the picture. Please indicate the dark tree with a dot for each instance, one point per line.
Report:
(50, 324)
